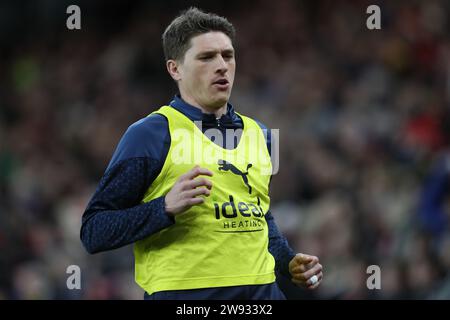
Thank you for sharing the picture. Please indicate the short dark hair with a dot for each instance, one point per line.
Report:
(190, 23)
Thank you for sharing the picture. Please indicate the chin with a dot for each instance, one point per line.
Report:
(220, 101)
(219, 104)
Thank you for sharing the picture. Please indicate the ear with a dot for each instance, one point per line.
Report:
(173, 69)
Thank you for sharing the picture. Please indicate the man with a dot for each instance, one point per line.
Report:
(202, 229)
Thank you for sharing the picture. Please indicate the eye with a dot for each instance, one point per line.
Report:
(205, 58)
(228, 55)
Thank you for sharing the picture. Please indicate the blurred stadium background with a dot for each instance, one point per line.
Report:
(364, 120)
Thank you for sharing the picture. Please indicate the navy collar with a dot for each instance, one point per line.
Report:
(228, 120)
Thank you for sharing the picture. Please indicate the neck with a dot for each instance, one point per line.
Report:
(218, 112)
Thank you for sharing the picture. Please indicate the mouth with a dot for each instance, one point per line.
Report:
(221, 84)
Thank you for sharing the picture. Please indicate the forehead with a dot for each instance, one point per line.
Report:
(210, 41)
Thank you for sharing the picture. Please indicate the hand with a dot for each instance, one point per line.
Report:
(184, 193)
(302, 267)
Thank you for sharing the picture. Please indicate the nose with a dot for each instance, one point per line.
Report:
(222, 66)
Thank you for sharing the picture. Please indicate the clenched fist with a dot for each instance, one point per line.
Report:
(186, 191)
(303, 268)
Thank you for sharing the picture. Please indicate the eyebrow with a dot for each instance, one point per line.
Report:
(210, 52)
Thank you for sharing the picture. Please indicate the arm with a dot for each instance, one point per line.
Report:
(115, 215)
(278, 244)
(304, 270)
(279, 247)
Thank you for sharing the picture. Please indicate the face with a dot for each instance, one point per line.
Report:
(205, 76)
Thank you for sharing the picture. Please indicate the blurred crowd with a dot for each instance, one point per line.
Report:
(364, 119)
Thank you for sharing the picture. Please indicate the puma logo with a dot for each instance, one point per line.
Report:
(227, 166)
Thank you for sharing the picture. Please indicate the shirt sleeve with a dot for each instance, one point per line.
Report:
(279, 247)
(278, 244)
(115, 215)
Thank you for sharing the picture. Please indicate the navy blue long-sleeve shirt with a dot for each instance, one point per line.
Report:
(115, 216)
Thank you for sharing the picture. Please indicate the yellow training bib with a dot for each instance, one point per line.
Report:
(224, 241)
